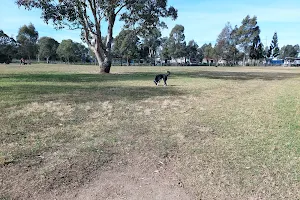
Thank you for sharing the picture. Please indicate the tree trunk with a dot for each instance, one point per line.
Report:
(47, 60)
(105, 66)
(104, 60)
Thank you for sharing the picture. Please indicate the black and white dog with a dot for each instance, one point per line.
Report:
(162, 76)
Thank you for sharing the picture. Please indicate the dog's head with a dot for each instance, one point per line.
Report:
(168, 72)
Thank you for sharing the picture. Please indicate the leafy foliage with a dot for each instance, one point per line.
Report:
(193, 52)
(89, 15)
(176, 43)
(246, 34)
(126, 44)
(289, 51)
(47, 47)
(208, 51)
(151, 40)
(27, 38)
(226, 44)
(274, 46)
(66, 50)
(257, 49)
(8, 48)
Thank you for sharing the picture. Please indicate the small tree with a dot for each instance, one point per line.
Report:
(47, 47)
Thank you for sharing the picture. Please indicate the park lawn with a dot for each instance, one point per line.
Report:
(227, 133)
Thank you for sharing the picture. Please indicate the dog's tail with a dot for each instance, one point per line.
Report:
(168, 73)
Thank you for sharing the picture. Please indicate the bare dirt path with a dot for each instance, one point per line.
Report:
(135, 181)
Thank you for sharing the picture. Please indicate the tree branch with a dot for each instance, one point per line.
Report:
(120, 9)
(92, 5)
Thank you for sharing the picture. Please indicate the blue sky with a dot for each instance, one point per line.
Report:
(203, 19)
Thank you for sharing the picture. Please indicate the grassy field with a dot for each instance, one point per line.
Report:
(219, 133)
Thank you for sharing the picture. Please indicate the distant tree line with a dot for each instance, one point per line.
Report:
(29, 46)
(240, 44)
(233, 44)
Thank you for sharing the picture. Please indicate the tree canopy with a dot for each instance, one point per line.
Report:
(126, 44)
(246, 34)
(289, 51)
(176, 43)
(66, 50)
(274, 46)
(47, 47)
(90, 15)
(27, 38)
(8, 47)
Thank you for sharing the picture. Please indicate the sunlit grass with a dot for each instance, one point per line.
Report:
(233, 133)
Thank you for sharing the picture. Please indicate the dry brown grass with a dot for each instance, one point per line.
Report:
(220, 133)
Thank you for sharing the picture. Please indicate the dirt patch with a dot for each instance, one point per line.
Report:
(139, 179)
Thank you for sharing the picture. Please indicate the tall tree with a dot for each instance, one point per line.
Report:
(164, 51)
(246, 34)
(256, 49)
(224, 45)
(151, 40)
(27, 38)
(92, 15)
(192, 51)
(8, 48)
(274, 46)
(200, 54)
(208, 51)
(234, 54)
(176, 43)
(47, 47)
(66, 50)
(126, 45)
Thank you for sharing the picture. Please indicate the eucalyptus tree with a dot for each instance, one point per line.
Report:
(93, 16)
(47, 47)
(27, 38)
(176, 43)
(126, 45)
(246, 34)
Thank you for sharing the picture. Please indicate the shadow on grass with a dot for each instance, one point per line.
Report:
(29, 93)
(239, 75)
(75, 78)
(138, 76)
